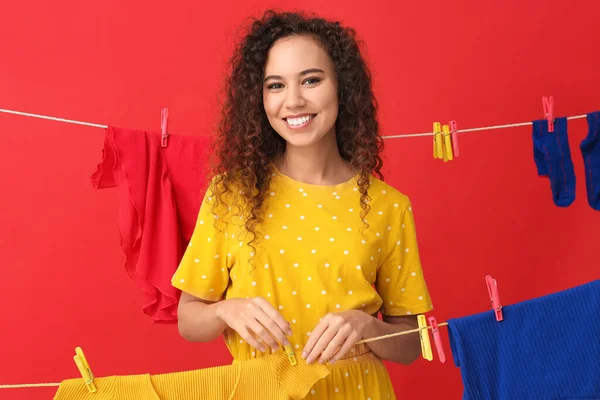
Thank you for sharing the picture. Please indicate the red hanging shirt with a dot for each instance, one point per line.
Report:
(161, 189)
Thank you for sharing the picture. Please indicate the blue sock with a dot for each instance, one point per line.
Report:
(552, 156)
(590, 149)
(538, 157)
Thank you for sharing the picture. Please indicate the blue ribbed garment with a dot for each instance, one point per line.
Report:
(546, 348)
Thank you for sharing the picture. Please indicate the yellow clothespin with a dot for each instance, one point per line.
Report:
(84, 369)
(448, 156)
(290, 353)
(435, 153)
(438, 149)
(424, 335)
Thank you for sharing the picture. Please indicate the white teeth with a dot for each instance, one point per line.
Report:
(299, 121)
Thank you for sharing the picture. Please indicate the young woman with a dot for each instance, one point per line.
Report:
(296, 241)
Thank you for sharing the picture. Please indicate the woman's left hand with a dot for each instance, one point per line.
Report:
(335, 335)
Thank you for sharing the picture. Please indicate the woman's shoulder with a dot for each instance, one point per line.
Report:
(383, 192)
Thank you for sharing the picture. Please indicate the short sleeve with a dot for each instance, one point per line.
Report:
(400, 279)
(203, 270)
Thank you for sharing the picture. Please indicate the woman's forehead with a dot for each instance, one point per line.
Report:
(289, 56)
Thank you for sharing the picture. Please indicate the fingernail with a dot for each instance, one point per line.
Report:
(263, 349)
(304, 355)
(321, 361)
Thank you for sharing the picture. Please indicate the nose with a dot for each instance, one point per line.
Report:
(294, 97)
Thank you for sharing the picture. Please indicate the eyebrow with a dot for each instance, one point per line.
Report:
(305, 72)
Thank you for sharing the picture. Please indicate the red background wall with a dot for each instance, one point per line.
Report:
(62, 281)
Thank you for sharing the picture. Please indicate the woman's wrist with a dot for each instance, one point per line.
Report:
(371, 325)
(219, 310)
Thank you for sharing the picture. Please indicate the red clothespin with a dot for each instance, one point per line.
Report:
(164, 117)
(494, 297)
(437, 339)
(548, 103)
(454, 133)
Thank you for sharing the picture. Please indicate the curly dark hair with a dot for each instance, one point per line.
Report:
(246, 144)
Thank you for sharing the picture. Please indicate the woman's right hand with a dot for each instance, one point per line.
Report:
(256, 321)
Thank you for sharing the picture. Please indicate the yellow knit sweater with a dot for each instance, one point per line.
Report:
(270, 377)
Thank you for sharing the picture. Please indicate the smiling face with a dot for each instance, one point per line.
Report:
(300, 92)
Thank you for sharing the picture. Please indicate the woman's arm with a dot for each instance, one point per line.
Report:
(252, 318)
(336, 333)
(198, 320)
(404, 349)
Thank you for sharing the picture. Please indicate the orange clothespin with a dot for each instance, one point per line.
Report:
(84, 369)
(548, 103)
(448, 156)
(438, 149)
(424, 336)
(164, 117)
(454, 133)
(492, 287)
(437, 339)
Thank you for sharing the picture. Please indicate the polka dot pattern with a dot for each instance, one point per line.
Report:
(315, 258)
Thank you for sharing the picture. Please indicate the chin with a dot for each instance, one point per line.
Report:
(302, 140)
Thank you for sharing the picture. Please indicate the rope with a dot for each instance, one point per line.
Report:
(402, 136)
(397, 334)
(28, 385)
(485, 128)
(69, 121)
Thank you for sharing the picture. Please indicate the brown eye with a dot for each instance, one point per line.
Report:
(312, 80)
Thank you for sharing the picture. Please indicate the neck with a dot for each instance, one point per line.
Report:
(320, 164)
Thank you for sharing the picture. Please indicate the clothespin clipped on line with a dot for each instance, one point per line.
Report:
(492, 287)
(164, 118)
(548, 104)
(454, 135)
(84, 369)
(424, 336)
(437, 339)
(438, 146)
(448, 156)
(445, 141)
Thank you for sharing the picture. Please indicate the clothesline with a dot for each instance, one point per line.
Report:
(24, 385)
(51, 384)
(401, 136)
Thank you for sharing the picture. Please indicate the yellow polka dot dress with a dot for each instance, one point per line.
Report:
(314, 256)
